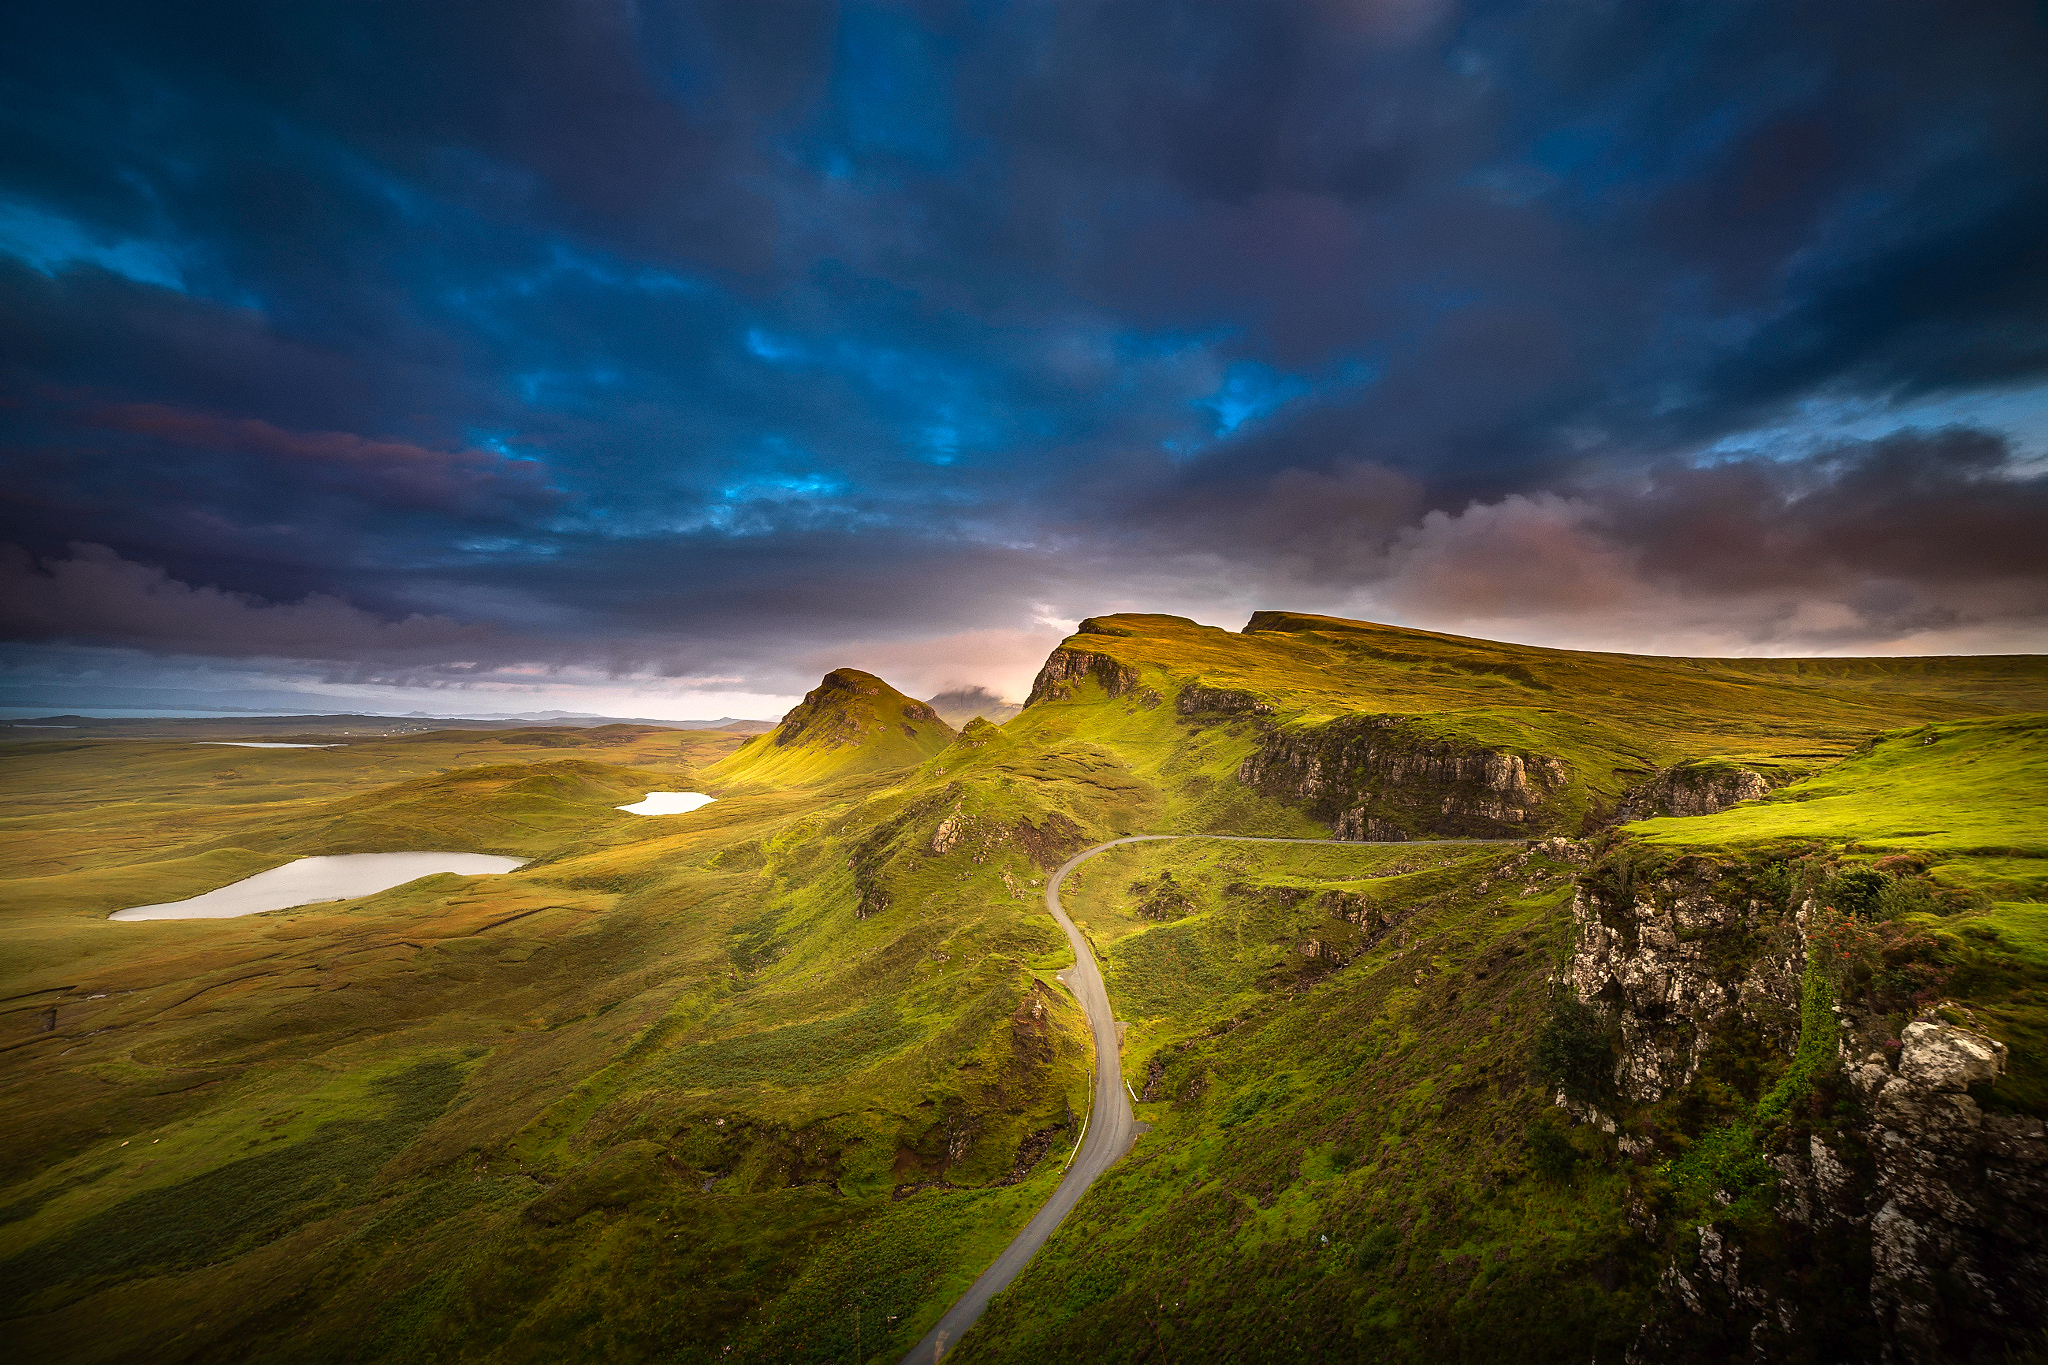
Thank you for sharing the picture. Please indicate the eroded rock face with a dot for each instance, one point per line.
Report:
(1673, 965)
(1385, 778)
(1959, 1239)
(1691, 789)
(1941, 1205)
(1197, 700)
(1065, 669)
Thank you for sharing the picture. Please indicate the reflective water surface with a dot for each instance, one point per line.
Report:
(669, 803)
(308, 881)
(262, 744)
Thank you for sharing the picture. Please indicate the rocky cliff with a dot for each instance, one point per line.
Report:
(1389, 777)
(1065, 669)
(1858, 1202)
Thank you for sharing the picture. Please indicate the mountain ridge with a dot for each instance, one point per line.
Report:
(807, 1046)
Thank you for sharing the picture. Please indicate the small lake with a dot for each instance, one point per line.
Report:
(669, 803)
(308, 881)
(263, 744)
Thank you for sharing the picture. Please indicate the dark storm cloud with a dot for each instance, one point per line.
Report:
(94, 596)
(1917, 532)
(694, 338)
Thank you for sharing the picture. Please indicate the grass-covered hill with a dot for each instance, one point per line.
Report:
(1349, 1062)
(851, 723)
(1493, 739)
(1961, 787)
(773, 1080)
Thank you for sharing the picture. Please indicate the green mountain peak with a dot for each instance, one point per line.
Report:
(851, 722)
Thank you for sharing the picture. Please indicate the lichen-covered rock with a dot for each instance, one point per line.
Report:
(1671, 963)
(1691, 789)
(1390, 778)
(1959, 1241)
(1941, 1057)
(1943, 1206)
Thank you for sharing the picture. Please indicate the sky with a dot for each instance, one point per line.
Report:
(652, 359)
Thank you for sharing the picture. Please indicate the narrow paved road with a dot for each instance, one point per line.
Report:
(1107, 1132)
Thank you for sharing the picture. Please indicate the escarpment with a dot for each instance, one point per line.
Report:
(1065, 669)
(1387, 778)
(1816, 1150)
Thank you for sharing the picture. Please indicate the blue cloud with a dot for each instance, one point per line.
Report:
(935, 305)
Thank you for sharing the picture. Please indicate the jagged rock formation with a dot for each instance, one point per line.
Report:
(1388, 777)
(1065, 669)
(1928, 1214)
(1673, 963)
(1959, 1238)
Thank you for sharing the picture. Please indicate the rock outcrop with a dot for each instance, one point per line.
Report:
(1389, 778)
(1198, 700)
(1066, 669)
(1673, 963)
(1928, 1214)
(1691, 789)
(1959, 1239)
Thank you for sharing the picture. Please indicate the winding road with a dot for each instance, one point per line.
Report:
(1107, 1132)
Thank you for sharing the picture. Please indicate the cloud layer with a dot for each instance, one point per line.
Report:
(726, 341)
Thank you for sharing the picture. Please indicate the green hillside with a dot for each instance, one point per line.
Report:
(1966, 786)
(774, 1080)
(850, 724)
(1584, 728)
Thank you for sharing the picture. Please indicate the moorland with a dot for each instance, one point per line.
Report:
(774, 1079)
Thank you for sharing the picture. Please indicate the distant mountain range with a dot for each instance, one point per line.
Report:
(963, 704)
(243, 724)
(31, 706)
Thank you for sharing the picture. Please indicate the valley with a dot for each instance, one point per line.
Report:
(1492, 1010)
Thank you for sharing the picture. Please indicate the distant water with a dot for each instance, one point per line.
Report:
(263, 744)
(669, 803)
(337, 877)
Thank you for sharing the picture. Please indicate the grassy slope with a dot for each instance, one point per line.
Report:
(675, 1098)
(1612, 717)
(1390, 1109)
(1960, 788)
(851, 723)
(675, 1032)
(1336, 1165)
